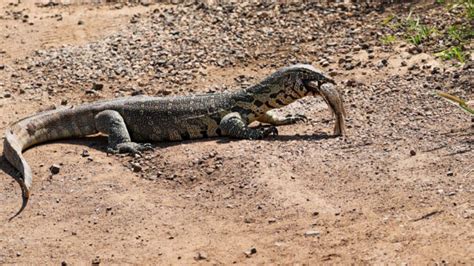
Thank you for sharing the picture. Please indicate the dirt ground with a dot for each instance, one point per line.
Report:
(398, 189)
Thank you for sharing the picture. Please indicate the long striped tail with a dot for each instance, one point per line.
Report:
(12, 148)
(46, 126)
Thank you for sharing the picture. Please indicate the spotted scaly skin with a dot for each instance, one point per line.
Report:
(130, 121)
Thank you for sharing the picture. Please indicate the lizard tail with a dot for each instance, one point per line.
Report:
(46, 126)
(12, 148)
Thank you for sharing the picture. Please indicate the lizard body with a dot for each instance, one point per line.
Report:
(127, 121)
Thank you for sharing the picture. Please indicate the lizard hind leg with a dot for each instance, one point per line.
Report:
(111, 123)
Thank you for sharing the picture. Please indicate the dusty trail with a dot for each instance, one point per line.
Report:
(397, 189)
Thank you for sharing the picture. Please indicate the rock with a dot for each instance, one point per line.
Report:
(54, 169)
(2, 67)
(18, 254)
(85, 153)
(412, 152)
(348, 66)
(97, 87)
(136, 167)
(250, 252)
(312, 233)
(201, 256)
(171, 177)
(324, 63)
(413, 67)
(351, 83)
(80, 22)
(249, 220)
(135, 18)
(145, 2)
(450, 173)
(414, 50)
(96, 261)
(209, 170)
(382, 63)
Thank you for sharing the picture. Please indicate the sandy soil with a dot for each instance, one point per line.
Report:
(398, 188)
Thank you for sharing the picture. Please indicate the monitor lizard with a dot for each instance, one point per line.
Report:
(130, 121)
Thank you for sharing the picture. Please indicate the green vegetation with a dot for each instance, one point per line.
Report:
(388, 39)
(388, 19)
(453, 52)
(467, 5)
(451, 41)
(460, 33)
(461, 103)
(417, 32)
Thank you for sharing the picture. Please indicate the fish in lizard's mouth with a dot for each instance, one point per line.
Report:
(333, 98)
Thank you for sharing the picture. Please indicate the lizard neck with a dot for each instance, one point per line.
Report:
(257, 100)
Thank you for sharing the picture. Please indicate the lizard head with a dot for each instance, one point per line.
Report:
(310, 78)
(312, 81)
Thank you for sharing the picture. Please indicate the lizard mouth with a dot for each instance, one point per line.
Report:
(314, 86)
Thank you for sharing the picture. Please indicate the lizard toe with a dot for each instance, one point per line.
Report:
(292, 119)
(270, 131)
(146, 147)
(131, 148)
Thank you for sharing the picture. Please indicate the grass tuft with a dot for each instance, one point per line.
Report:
(456, 100)
(417, 32)
(453, 52)
(388, 39)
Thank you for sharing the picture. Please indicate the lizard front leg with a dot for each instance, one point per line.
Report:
(112, 124)
(278, 120)
(234, 126)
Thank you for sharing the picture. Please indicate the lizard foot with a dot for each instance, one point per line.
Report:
(271, 130)
(130, 148)
(292, 119)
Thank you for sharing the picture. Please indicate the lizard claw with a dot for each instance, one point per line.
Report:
(273, 131)
(111, 151)
(292, 119)
(146, 147)
(133, 148)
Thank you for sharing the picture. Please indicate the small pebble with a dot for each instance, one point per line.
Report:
(136, 167)
(250, 252)
(312, 233)
(201, 256)
(96, 261)
(54, 169)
